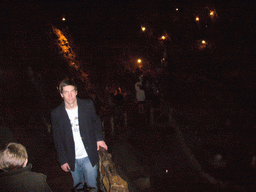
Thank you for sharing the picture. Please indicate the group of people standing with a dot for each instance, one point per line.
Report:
(146, 89)
(77, 136)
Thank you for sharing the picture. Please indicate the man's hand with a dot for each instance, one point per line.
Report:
(65, 167)
(101, 144)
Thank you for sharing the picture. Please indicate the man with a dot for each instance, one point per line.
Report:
(17, 175)
(77, 136)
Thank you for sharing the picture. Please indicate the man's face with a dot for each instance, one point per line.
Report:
(69, 94)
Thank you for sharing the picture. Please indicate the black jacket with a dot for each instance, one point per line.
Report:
(22, 180)
(90, 130)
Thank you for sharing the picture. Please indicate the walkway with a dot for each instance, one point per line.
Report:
(177, 157)
(148, 158)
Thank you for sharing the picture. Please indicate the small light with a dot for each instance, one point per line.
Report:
(203, 42)
(212, 13)
(163, 37)
(166, 171)
(63, 18)
(177, 9)
(139, 60)
(197, 18)
(143, 28)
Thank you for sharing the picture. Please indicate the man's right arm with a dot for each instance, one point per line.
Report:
(58, 142)
(65, 167)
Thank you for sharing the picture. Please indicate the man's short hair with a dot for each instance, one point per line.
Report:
(66, 82)
(13, 156)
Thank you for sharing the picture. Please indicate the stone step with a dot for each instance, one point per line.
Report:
(125, 157)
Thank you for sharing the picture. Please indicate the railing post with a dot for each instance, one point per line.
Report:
(253, 163)
(170, 116)
(112, 124)
(151, 115)
(125, 119)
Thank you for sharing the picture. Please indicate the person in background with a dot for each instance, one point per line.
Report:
(17, 175)
(118, 100)
(140, 95)
(77, 136)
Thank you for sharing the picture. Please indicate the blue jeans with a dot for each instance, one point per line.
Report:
(84, 173)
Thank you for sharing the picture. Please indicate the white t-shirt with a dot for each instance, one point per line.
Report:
(79, 145)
